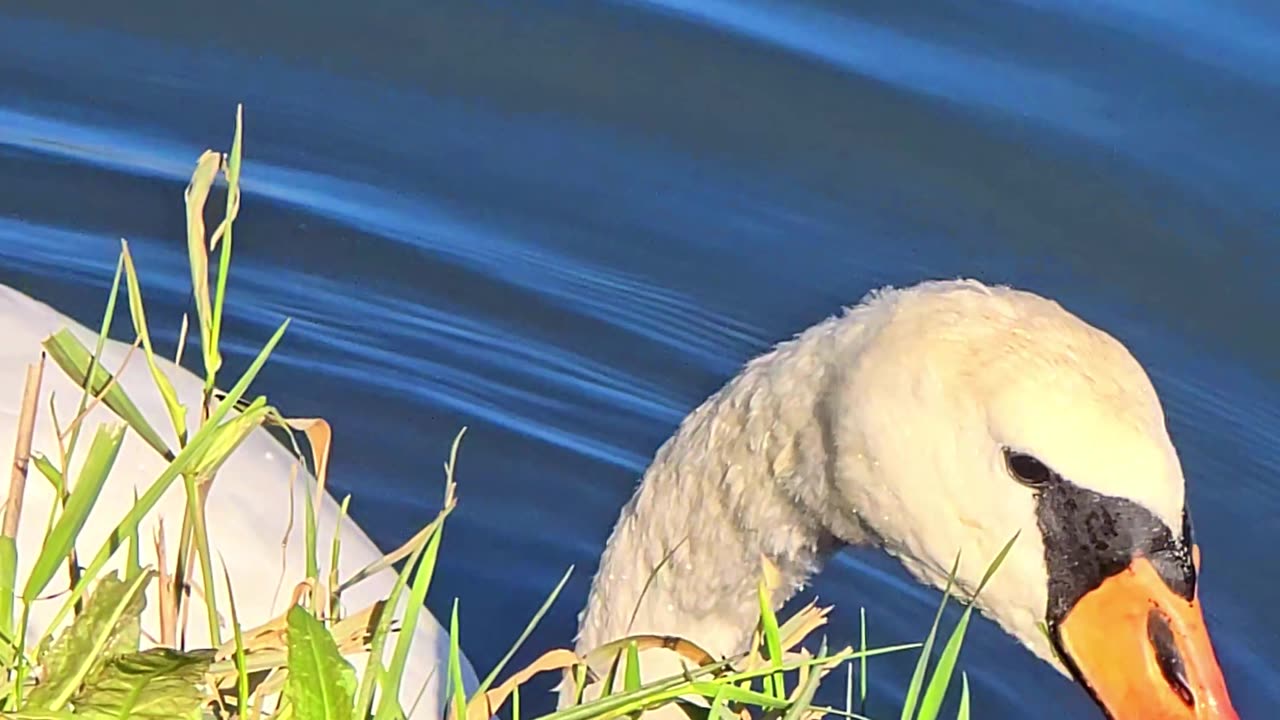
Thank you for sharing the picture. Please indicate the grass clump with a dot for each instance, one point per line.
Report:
(90, 661)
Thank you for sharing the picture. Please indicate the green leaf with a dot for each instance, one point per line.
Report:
(309, 536)
(417, 593)
(242, 673)
(862, 661)
(196, 195)
(50, 473)
(321, 684)
(736, 694)
(8, 583)
(228, 436)
(457, 692)
(74, 358)
(936, 691)
(931, 705)
(177, 412)
(60, 540)
(917, 677)
(109, 626)
(631, 680)
(720, 707)
(335, 597)
(158, 684)
(775, 685)
(963, 712)
(133, 562)
(129, 523)
(213, 361)
(103, 329)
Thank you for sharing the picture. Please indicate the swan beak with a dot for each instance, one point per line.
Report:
(1143, 650)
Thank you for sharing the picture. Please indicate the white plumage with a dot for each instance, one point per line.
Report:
(884, 426)
(247, 511)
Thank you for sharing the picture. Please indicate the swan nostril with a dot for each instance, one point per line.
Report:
(1170, 660)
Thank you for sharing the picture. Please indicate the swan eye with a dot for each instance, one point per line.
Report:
(1027, 470)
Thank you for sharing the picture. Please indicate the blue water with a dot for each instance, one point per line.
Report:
(563, 224)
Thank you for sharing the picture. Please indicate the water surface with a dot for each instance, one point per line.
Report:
(563, 224)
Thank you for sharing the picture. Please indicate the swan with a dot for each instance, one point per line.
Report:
(247, 512)
(942, 417)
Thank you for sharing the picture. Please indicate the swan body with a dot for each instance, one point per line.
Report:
(248, 511)
(906, 423)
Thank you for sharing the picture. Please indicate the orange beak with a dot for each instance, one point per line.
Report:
(1143, 650)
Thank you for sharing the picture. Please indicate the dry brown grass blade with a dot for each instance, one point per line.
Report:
(266, 647)
(687, 649)
(320, 437)
(802, 624)
(268, 635)
(22, 447)
(320, 434)
(395, 556)
(168, 592)
(486, 706)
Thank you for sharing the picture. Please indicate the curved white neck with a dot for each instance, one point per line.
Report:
(748, 474)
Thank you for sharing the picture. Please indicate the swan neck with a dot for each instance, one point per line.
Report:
(746, 477)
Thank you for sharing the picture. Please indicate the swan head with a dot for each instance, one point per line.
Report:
(973, 414)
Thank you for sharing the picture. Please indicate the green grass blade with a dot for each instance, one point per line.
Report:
(963, 712)
(776, 684)
(229, 436)
(917, 677)
(528, 629)
(214, 361)
(720, 707)
(862, 661)
(667, 689)
(101, 342)
(622, 703)
(609, 685)
(631, 676)
(133, 562)
(936, 692)
(200, 537)
(58, 544)
(177, 412)
(418, 588)
(335, 596)
(75, 360)
(456, 690)
(195, 196)
(226, 438)
(413, 608)
(309, 542)
(737, 694)
(50, 473)
(242, 674)
(375, 673)
(8, 583)
(198, 443)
